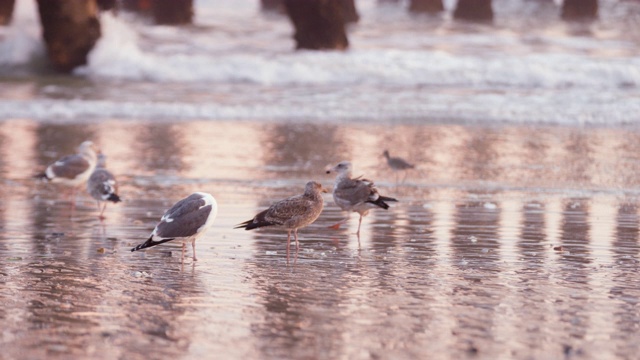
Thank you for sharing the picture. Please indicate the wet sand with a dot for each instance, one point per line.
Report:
(508, 242)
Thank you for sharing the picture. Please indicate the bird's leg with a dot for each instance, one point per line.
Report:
(288, 241)
(404, 178)
(184, 245)
(359, 223)
(73, 199)
(295, 233)
(104, 206)
(336, 226)
(193, 245)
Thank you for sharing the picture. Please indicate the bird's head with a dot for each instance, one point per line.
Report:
(343, 167)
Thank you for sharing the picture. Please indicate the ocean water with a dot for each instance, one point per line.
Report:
(235, 62)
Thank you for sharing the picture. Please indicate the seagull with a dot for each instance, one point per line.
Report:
(102, 185)
(357, 195)
(187, 220)
(292, 213)
(72, 170)
(397, 164)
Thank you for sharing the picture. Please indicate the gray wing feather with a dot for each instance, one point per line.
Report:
(184, 218)
(355, 191)
(70, 166)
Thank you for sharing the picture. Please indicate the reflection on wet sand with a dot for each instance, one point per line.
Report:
(510, 246)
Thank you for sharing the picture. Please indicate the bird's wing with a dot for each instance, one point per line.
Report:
(184, 219)
(355, 191)
(286, 209)
(68, 167)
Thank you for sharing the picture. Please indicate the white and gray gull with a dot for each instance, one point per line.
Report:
(292, 213)
(357, 195)
(187, 220)
(72, 170)
(102, 185)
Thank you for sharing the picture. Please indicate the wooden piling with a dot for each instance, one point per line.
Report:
(172, 12)
(474, 10)
(6, 11)
(70, 29)
(349, 11)
(107, 5)
(426, 6)
(319, 24)
(579, 9)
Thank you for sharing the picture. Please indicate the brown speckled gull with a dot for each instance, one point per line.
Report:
(292, 213)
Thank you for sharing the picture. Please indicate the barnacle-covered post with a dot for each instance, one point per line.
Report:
(426, 6)
(6, 11)
(319, 24)
(70, 29)
(474, 10)
(579, 9)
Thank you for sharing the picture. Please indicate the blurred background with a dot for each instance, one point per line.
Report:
(237, 60)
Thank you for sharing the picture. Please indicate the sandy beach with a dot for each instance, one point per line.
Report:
(502, 245)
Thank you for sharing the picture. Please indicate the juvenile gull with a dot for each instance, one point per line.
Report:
(187, 220)
(72, 170)
(357, 195)
(292, 213)
(397, 164)
(102, 185)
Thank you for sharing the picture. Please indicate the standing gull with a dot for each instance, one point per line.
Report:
(358, 195)
(187, 221)
(398, 164)
(292, 213)
(72, 170)
(102, 185)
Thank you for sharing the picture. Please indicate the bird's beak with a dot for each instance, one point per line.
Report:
(328, 171)
(324, 190)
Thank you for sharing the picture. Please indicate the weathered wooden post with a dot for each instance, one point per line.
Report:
(6, 11)
(164, 12)
(349, 11)
(319, 24)
(579, 9)
(70, 29)
(426, 6)
(475, 10)
(140, 6)
(106, 5)
(172, 12)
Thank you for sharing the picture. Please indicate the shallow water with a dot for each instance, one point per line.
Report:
(503, 244)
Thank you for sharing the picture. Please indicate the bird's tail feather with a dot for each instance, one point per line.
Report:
(250, 225)
(380, 201)
(114, 197)
(41, 176)
(149, 243)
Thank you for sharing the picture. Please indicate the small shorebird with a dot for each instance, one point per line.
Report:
(357, 195)
(292, 213)
(102, 185)
(398, 164)
(72, 170)
(187, 220)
